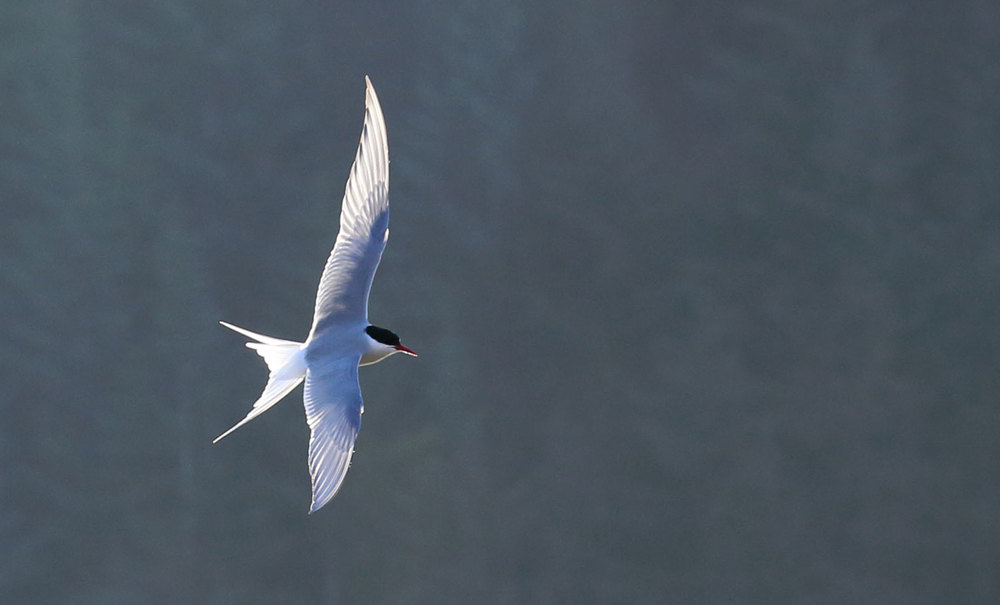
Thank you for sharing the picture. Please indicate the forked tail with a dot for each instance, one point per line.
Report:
(287, 365)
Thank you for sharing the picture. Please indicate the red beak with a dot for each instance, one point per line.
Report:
(406, 350)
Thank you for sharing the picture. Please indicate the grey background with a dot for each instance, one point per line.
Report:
(705, 294)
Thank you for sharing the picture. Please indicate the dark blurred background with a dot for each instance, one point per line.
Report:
(706, 298)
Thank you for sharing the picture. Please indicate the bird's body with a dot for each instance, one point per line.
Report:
(341, 337)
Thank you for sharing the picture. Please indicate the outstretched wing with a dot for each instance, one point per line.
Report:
(364, 228)
(333, 411)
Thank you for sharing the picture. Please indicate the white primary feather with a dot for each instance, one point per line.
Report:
(333, 412)
(342, 297)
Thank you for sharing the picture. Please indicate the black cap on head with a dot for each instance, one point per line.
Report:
(383, 336)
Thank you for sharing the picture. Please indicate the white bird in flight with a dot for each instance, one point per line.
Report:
(341, 339)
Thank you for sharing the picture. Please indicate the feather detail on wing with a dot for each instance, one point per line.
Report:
(364, 228)
(333, 411)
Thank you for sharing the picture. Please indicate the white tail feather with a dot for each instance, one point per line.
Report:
(268, 340)
(286, 363)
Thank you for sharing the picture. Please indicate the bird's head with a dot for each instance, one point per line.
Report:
(388, 339)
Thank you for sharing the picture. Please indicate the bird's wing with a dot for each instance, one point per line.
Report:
(364, 228)
(333, 411)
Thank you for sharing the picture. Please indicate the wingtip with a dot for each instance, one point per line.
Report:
(314, 506)
(370, 95)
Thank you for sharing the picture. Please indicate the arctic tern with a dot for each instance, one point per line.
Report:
(341, 338)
